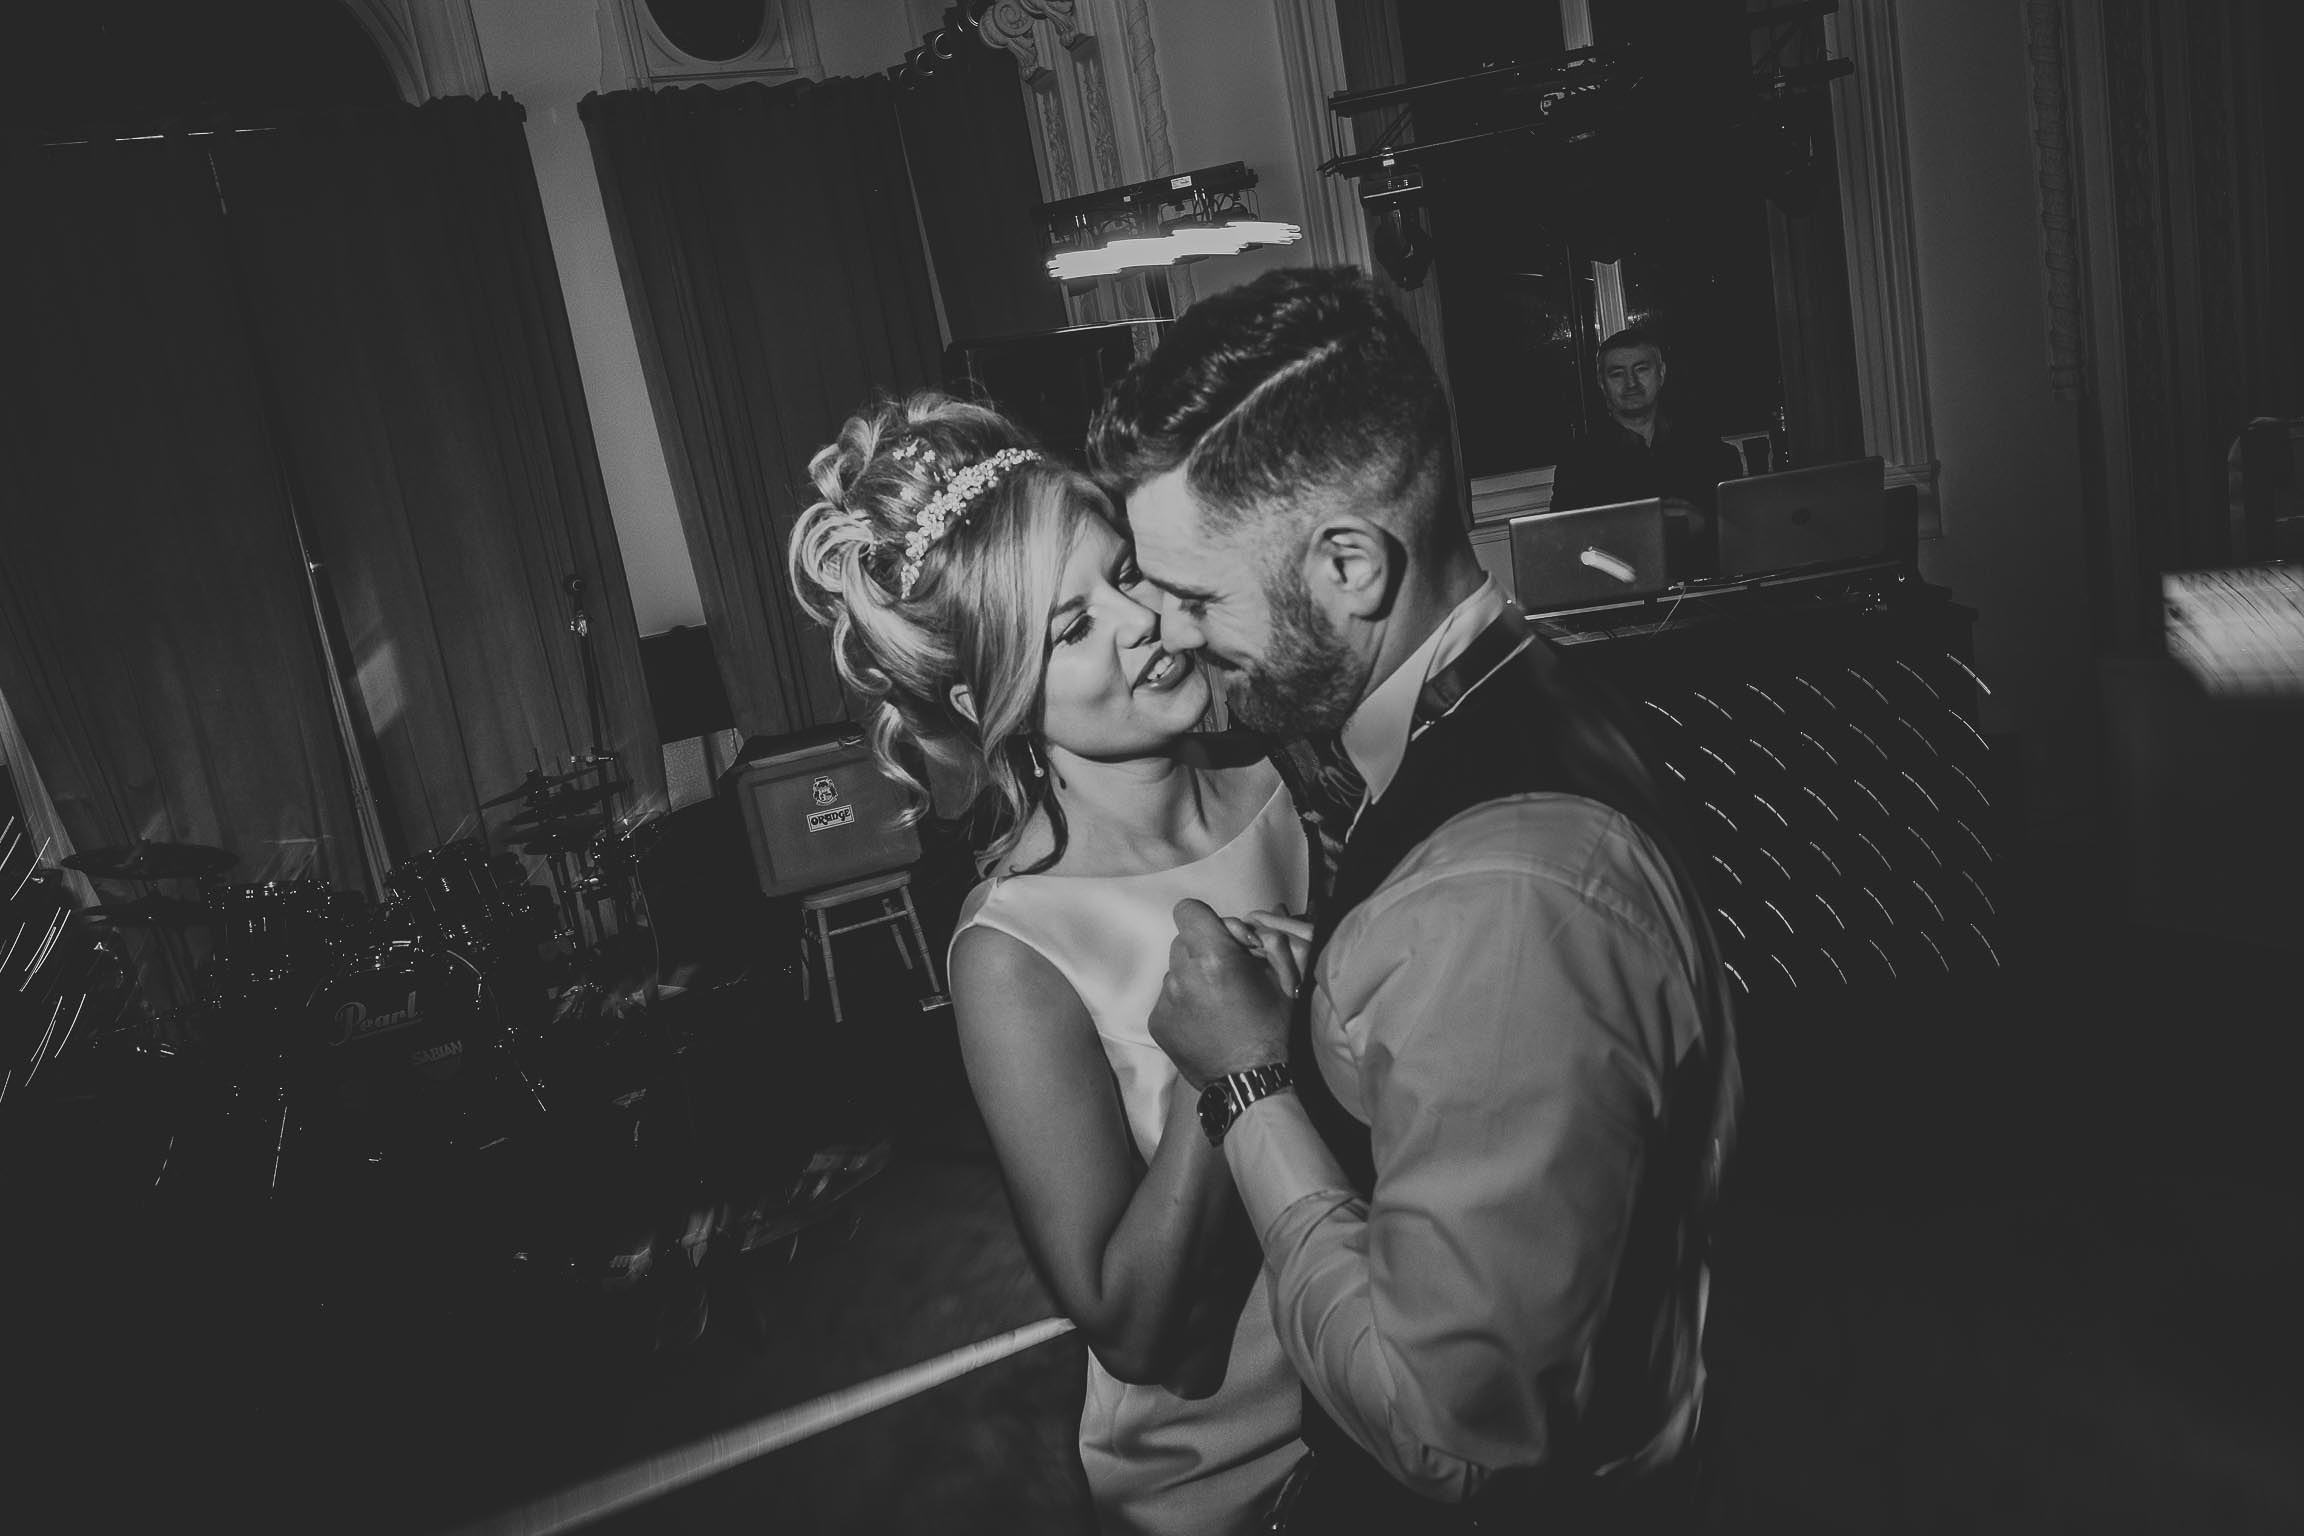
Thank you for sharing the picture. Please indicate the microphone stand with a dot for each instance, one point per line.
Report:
(601, 760)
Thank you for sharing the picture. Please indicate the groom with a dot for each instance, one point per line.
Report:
(1482, 1142)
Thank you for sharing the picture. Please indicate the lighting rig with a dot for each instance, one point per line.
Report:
(1157, 223)
(1707, 102)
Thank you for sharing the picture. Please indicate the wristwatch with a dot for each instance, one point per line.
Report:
(1224, 1098)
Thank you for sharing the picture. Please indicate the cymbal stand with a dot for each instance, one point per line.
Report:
(175, 952)
(594, 883)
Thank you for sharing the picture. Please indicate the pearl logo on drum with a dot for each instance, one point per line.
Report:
(355, 1022)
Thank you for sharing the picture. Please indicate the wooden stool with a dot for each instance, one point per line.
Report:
(894, 894)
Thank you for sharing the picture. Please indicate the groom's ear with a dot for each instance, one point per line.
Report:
(1352, 564)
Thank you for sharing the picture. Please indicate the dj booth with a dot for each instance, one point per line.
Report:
(1819, 731)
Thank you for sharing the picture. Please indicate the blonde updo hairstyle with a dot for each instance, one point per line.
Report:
(977, 612)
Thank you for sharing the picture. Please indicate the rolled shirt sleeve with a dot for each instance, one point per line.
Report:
(1502, 1012)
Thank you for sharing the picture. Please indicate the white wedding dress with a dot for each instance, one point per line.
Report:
(1156, 1462)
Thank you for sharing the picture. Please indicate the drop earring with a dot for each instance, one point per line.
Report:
(1039, 767)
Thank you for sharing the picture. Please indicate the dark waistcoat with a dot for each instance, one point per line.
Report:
(1506, 735)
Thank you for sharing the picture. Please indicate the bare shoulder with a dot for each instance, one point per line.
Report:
(1003, 986)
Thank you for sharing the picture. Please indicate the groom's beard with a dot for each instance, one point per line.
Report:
(1308, 682)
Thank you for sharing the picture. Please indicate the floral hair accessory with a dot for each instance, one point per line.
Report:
(914, 451)
(951, 505)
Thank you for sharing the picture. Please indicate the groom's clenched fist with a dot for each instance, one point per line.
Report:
(1222, 1009)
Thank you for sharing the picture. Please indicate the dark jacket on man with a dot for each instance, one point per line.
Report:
(1613, 463)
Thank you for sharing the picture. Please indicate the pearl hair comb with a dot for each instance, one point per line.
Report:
(950, 506)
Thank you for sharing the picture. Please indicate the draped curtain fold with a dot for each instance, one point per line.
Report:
(2207, 158)
(406, 300)
(773, 262)
(969, 143)
(156, 641)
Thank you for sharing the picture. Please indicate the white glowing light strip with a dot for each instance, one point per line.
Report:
(1265, 231)
(1161, 250)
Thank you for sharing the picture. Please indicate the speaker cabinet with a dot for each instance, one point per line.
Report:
(820, 815)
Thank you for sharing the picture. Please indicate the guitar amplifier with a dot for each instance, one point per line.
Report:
(818, 812)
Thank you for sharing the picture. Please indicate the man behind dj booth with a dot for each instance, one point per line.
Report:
(1643, 450)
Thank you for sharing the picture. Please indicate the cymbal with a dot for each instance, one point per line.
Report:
(535, 784)
(558, 838)
(153, 861)
(555, 807)
(163, 911)
(578, 825)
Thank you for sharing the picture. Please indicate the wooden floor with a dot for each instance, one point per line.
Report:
(2016, 1257)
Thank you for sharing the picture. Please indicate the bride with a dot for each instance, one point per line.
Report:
(982, 596)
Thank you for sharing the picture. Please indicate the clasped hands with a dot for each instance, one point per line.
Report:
(1230, 988)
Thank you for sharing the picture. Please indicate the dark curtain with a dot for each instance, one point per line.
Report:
(407, 302)
(773, 262)
(970, 148)
(2207, 152)
(1807, 257)
(156, 634)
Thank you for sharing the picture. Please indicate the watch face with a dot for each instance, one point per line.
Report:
(1217, 1108)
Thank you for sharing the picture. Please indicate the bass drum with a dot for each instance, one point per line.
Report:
(404, 1054)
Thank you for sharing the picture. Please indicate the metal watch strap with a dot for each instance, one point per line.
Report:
(1222, 1101)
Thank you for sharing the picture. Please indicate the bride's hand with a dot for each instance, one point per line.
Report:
(1284, 940)
(1286, 961)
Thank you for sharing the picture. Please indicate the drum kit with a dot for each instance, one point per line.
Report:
(393, 1026)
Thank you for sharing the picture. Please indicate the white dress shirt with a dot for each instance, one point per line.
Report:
(1502, 1012)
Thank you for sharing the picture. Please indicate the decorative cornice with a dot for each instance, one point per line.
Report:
(1103, 147)
(1144, 80)
(1013, 25)
(1056, 142)
(2044, 25)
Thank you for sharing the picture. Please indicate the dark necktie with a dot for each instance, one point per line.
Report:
(1339, 785)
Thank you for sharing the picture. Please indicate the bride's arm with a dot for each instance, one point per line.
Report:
(1131, 1251)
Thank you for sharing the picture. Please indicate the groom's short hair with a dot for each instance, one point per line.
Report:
(1305, 378)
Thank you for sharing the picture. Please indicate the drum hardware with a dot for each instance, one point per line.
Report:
(538, 782)
(273, 931)
(548, 846)
(144, 862)
(454, 886)
(568, 802)
(561, 818)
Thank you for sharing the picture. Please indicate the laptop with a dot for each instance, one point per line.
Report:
(1828, 514)
(1589, 555)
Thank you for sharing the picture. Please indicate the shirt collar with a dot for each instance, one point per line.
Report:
(1376, 737)
(1624, 435)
